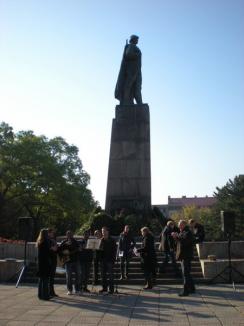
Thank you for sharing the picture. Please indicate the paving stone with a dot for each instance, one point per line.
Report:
(212, 305)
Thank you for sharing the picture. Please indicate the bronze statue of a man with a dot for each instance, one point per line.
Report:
(129, 81)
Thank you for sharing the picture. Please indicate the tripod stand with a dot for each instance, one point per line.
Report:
(22, 270)
(229, 268)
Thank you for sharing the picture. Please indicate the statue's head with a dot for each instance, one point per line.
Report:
(134, 39)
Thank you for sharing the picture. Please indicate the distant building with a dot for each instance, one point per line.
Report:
(176, 204)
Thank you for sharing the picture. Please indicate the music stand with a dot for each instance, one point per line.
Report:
(22, 270)
(229, 268)
(93, 244)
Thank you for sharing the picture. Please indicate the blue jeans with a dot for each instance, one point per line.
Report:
(72, 267)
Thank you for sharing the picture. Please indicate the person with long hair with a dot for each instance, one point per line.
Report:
(148, 257)
(44, 264)
(53, 256)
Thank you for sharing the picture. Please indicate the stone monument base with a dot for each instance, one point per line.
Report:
(129, 174)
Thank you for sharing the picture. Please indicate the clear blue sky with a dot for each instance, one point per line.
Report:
(59, 62)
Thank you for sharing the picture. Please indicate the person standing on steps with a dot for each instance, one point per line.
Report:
(168, 246)
(184, 253)
(198, 231)
(126, 246)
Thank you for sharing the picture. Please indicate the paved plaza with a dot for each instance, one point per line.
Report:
(211, 305)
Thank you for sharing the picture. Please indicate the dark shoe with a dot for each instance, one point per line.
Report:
(192, 291)
(126, 276)
(183, 294)
(111, 292)
(52, 295)
(103, 290)
(45, 298)
(147, 287)
(86, 290)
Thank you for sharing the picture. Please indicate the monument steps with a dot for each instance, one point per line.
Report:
(135, 272)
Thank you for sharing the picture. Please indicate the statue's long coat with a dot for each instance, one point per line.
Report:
(130, 71)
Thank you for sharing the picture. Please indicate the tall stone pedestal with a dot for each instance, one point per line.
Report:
(129, 172)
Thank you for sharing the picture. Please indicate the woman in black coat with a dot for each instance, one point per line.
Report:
(44, 264)
(148, 257)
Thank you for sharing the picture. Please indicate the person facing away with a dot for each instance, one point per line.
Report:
(197, 230)
(108, 257)
(53, 256)
(184, 253)
(128, 86)
(168, 246)
(148, 257)
(68, 251)
(126, 245)
(44, 264)
(85, 257)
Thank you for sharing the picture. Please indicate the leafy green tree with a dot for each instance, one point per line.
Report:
(208, 217)
(41, 178)
(231, 198)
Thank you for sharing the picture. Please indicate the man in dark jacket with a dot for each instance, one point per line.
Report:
(126, 245)
(184, 253)
(85, 257)
(108, 257)
(197, 230)
(148, 257)
(168, 246)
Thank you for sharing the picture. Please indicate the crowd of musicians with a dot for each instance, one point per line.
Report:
(176, 242)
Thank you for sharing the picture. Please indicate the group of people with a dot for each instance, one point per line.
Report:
(176, 242)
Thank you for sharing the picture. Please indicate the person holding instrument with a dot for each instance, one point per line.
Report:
(68, 252)
(184, 253)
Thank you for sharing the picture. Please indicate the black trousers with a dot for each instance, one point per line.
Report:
(107, 275)
(149, 268)
(96, 263)
(52, 276)
(85, 274)
(187, 278)
(43, 288)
